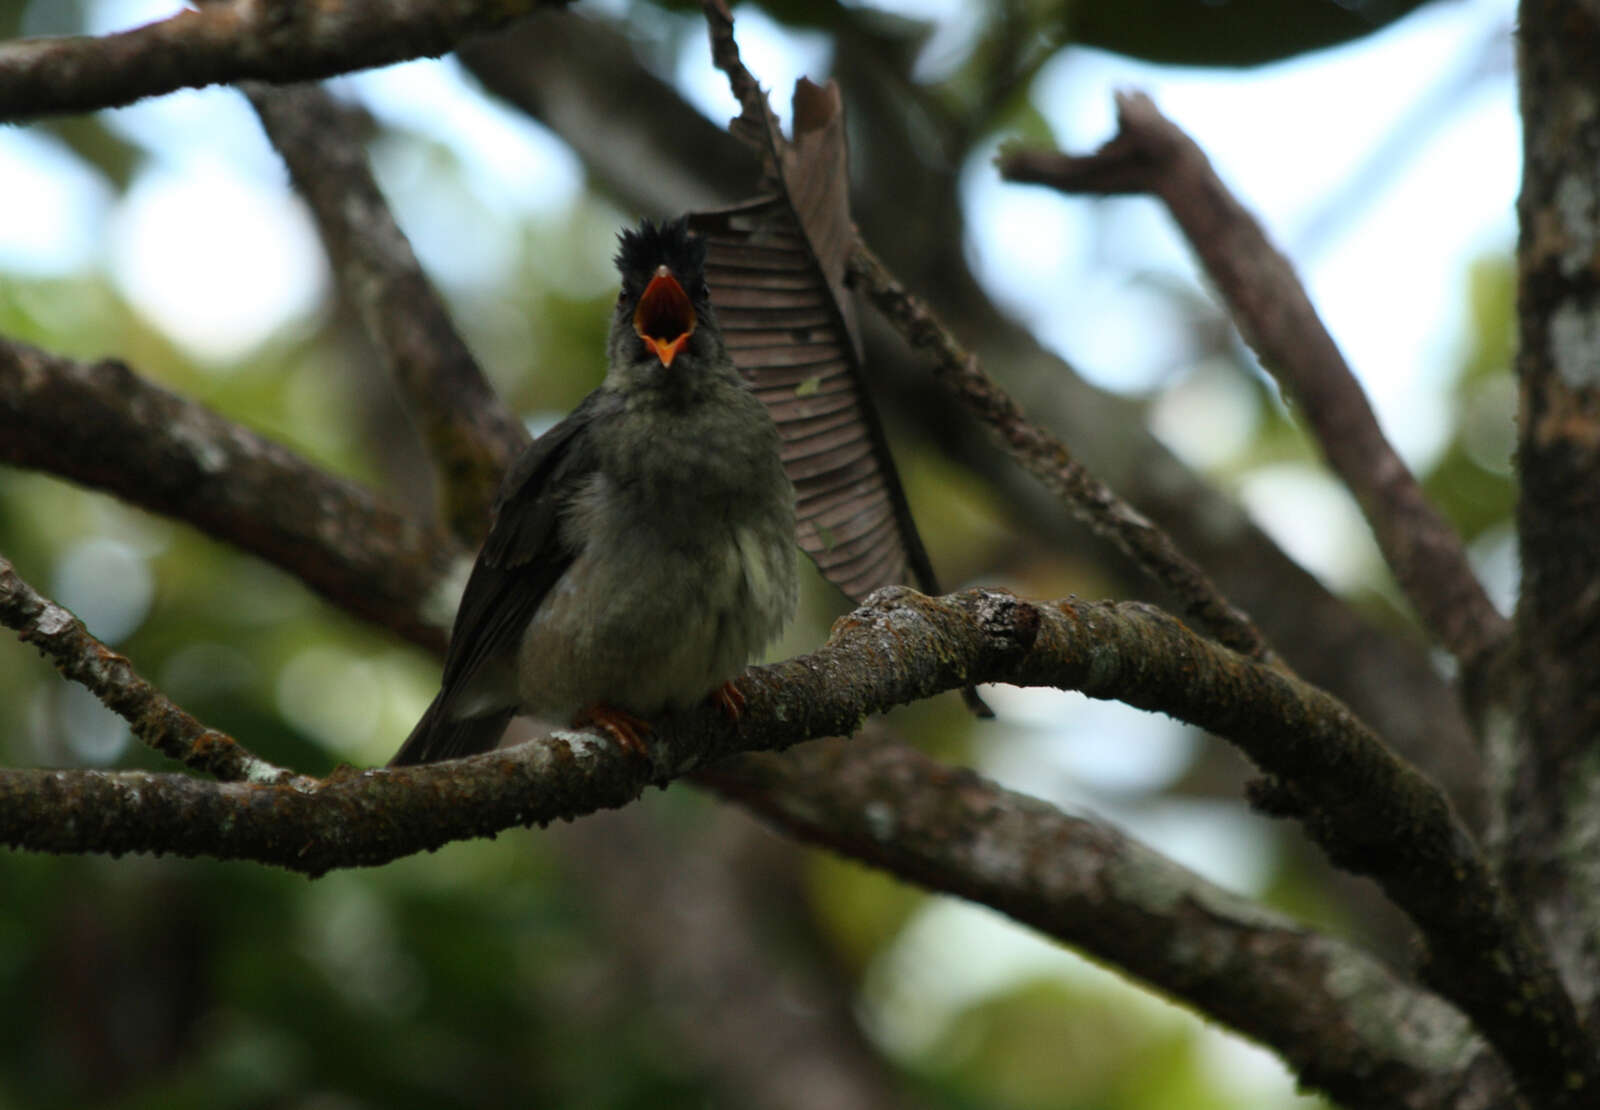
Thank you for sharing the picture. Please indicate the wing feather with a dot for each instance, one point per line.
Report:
(521, 560)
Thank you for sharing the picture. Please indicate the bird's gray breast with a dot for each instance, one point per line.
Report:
(685, 565)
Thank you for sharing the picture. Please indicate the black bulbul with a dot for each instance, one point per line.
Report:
(642, 550)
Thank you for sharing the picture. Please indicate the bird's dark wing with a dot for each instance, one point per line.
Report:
(522, 558)
(524, 555)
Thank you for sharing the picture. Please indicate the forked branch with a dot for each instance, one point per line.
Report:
(1150, 154)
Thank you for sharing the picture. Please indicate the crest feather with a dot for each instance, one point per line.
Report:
(668, 243)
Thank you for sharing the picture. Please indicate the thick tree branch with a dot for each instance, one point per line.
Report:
(153, 717)
(1151, 155)
(103, 426)
(235, 40)
(1371, 812)
(1084, 883)
(1550, 780)
(1306, 996)
(1049, 460)
(470, 436)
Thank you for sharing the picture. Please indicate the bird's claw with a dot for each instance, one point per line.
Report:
(730, 699)
(628, 731)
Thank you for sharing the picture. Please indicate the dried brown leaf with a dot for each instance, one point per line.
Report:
(786, 332)
(776, 268)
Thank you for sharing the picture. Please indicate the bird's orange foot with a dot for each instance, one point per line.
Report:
(730, 699)
(628, 731)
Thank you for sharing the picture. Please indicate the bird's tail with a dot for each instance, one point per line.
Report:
(439, 736)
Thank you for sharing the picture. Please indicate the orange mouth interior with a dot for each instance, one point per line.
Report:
(664, 318)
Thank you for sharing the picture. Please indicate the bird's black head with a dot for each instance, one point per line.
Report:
(664, 310)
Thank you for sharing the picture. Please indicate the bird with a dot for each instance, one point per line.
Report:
(642, 551)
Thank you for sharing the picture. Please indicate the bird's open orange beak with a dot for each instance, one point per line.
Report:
(665, 317)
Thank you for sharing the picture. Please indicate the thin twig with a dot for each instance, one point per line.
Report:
(1048, 459)
(236, 40)
(154, 718)
(755, 124)
(1152, 155)
(1371, 812)
(470, 436)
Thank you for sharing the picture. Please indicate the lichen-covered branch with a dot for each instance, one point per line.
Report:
(1309, 997)
(153, 717)
(105, 427)
(235, 40)
(1049, 460)
(1151, 155)
(470, 436)
(1372, 813)
(1345, 1023)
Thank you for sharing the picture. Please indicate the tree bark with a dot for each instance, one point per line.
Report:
(1548, 781)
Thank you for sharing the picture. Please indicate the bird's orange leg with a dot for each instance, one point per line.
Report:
(628, 731)
(730, 699)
